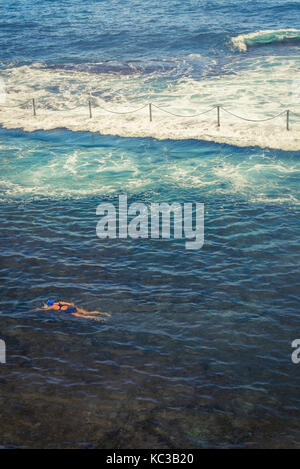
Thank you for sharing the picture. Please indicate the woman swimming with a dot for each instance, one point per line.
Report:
(70, 308)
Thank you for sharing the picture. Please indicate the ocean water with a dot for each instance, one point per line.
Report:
(197, 352)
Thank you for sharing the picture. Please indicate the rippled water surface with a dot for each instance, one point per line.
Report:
(197, 352)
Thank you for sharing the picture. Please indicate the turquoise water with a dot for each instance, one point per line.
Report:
(197, 352)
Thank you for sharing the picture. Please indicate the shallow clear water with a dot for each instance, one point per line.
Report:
(197, 352)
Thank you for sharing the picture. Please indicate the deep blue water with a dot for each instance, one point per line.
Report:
(197, 352)
(61, 31)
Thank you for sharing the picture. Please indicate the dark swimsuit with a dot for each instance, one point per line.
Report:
(70, 309)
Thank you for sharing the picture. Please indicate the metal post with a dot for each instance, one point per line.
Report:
(150, 111)
(287, 120)
(90, 109)
(33, 106)
(219, 123)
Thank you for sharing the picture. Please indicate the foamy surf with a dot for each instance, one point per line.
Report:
(243, 41)
(103, 168)
(263, 88)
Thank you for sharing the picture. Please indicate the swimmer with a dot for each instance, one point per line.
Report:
(70, 308)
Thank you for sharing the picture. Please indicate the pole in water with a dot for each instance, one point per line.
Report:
(288, 120)
(219, 123)
(150, 111)
(33, 107)
(90, 109)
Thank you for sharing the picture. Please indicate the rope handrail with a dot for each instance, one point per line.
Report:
(178, 115)
(67, 109)
(17, 105)
(218, 107)
(253, 120)
(126, 112)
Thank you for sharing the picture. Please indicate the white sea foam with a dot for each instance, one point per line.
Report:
(262, 89)
(66, 174)
(70, 164)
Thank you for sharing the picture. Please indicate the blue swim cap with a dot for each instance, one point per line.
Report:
(50, 303)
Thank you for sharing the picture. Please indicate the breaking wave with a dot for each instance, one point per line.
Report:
(258, 38)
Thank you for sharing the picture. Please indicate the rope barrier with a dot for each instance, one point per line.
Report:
(218, 107)
(254, 120)
(178, 115)
(127, 112)
(17, 105)
(68, 109)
